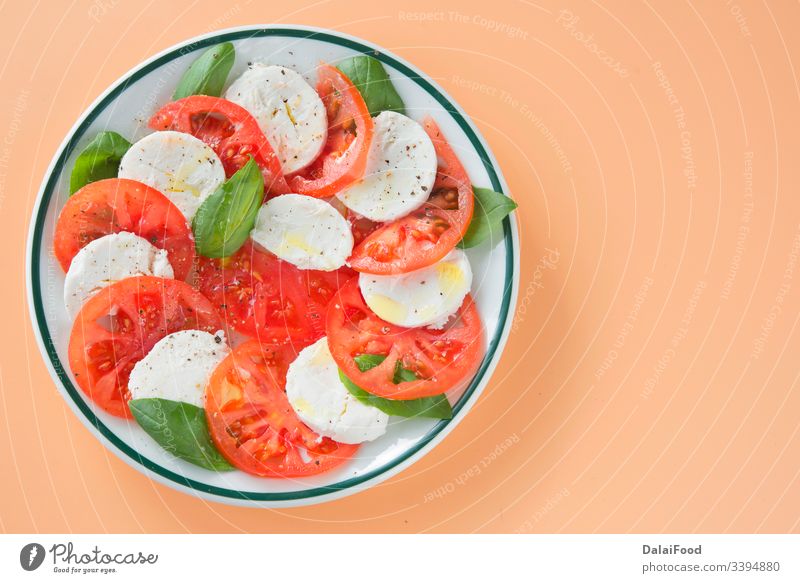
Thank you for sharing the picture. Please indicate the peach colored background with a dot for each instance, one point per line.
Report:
(650, 383)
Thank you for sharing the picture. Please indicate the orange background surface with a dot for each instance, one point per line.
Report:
(651, 380)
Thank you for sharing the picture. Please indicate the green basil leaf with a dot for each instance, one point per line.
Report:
(487, 220)
(398, 370)
(364, 362)
(224, 220)
(98, 160)
(372, 81)
(181, 429)
(207, 75)
(402, 375)
(436, 407)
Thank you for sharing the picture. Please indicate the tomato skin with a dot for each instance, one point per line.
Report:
(343, 159)
(270, 299)
(427, 234)
(141, 310)
(441, 359)
(229, 130)
(118, 204)
(252, 423)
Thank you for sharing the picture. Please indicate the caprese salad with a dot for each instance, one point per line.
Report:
(276, 270)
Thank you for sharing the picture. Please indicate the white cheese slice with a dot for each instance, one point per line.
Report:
(323, 403)
(107, 260)
(178, 367)
(401, 169)
(425, 297)
(288, 110)
(305, 231)
(178, 165)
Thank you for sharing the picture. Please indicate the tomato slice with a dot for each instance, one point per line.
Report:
(360, 226)
(344, 157)
(424, 236)
(270, 299)
(229, 130)
(441, 359)
(252, 423)
(119, 325)
(117, 204)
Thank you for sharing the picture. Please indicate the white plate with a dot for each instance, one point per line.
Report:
(125, 107)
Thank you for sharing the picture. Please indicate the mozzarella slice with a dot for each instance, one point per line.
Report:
(305, 231)
(109, 259)
(425, 297)
(178, 367)
(323, 403)
(288, 110)
(401, 169)
(180, 166)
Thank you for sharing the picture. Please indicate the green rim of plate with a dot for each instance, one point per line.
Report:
(52, 180)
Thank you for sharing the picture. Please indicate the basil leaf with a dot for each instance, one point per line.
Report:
(98, 160)
(398, 370)
(224, 220)
(207, 75)
(490, 209)
(364, 362)
(372, 81)
(181, 429)
(436, 407)
(402, 375)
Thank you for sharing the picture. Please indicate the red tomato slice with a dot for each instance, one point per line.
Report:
(229, 130)
(441, 359)
(360, 226)
(269, 299)
(119, 325)
(344, 157)
(117, 204)
(252, 423)
(424, 236)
